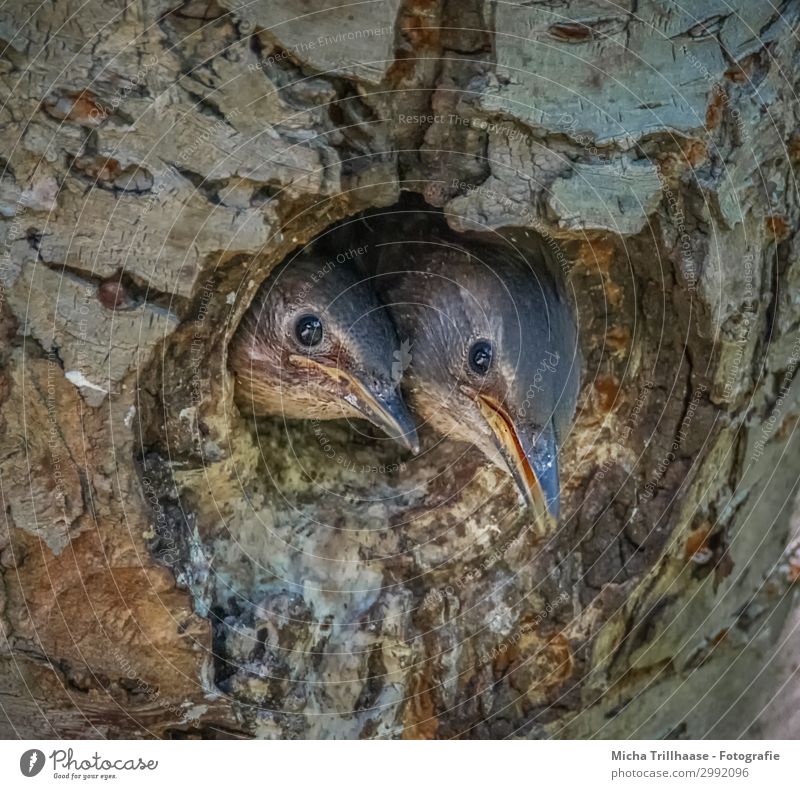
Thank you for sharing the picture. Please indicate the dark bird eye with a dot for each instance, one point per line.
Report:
(309, 331)
(480, 357)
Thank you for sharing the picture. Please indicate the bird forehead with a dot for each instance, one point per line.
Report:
(341, 300)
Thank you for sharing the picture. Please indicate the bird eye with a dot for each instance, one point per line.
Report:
(480, 357)
(308, 330)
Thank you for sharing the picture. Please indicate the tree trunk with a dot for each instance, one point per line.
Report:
(171, 568)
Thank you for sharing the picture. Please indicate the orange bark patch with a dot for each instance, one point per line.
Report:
(787, 426)
(420, 28)
(720, 637)
(420, 31)
(695, 152)
(113, 295)
(419, 716)
(570, 31)
(613, 293)
(736, 73)
(778, 226)
(100, 168)
(793, 146)
(506, 656)
(696, 547)
(744, 71)
(85, 107)
(606, 393)
(794, 568)
(82, 107)
(618, 339)
(715, 109)
(596, 254)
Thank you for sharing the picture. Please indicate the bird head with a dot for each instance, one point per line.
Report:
(494, 356)
(316, 343)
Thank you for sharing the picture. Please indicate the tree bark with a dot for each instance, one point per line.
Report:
(170, 568)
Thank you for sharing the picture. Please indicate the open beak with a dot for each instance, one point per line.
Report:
(532, 461)
(379, 402)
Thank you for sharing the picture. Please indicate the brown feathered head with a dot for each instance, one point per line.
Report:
(317, 343)
(495, 359)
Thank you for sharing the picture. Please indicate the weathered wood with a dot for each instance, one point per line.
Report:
(170, 568)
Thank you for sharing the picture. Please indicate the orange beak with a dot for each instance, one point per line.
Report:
(532, 463)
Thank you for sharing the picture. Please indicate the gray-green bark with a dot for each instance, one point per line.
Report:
(167, 569)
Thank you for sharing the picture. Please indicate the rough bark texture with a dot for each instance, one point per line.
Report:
(169, 568)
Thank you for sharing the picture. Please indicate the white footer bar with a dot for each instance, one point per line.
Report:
(404, 765)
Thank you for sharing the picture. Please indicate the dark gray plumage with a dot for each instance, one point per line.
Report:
(493, 356)
(316, 343)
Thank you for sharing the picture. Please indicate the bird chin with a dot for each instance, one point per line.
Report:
(329, 387)
(356, 399)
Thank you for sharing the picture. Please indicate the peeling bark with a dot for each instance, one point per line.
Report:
(170, 568)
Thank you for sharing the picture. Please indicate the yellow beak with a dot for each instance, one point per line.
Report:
(532, 464)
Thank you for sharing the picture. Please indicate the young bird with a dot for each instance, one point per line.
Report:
(316, 343)
(494, 359)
